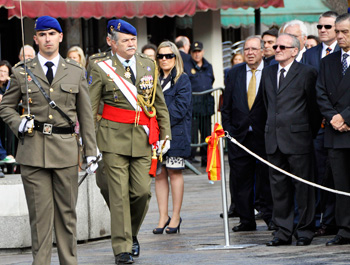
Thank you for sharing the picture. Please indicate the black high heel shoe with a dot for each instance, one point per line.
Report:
(161, 229)
(173, 230)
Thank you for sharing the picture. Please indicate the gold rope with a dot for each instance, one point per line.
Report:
(141, 101)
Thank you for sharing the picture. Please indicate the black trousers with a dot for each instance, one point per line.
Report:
(244, 171)
(340, 164)
(284, 189)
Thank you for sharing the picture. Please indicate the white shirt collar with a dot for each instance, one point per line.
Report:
(43, 60)
(332, 46)
(260, 67)
(287, 67)
(132, 60)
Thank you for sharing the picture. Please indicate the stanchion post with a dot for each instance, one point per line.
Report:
(223, 192)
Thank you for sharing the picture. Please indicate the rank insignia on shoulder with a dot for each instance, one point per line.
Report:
(90, 80)
(193, 71)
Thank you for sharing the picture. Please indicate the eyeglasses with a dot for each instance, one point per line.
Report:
(282, 47)
(325, 26)
(167, 56)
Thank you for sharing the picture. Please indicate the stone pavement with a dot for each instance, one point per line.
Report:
(201, 227)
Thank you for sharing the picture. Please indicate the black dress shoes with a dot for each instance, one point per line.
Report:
(135, 247)
(244, 227)
(278, 242)
(326, 230)
(303, 241)
(338, 240)
(124, 258)
(230, 214)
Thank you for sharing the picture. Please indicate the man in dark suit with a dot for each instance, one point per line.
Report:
(269, 37)
(183, 44)
(325, 201)
(292, 120)
(333, 97)
(244, 116)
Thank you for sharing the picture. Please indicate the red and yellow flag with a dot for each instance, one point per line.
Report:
(213, 156)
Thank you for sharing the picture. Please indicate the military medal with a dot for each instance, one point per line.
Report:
(127, 74)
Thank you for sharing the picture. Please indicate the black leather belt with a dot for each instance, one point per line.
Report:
(47, 128)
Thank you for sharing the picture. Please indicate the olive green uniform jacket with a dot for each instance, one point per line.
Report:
(121, 138)
(69, 91)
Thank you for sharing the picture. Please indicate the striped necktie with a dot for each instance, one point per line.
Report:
(344, 63)
(328, 50)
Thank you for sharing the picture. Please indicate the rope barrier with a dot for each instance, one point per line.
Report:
(233, 140)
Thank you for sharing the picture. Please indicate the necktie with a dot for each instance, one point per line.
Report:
(251, 89)
(328, 50)
(49, 73)
(281, 78)
(344, 63)
(128, 69)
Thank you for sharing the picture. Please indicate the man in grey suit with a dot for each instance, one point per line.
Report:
(48, 155)
(333, 97)
(292, 120)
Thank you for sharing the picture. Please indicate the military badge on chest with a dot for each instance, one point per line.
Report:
(127, 74)
(146, 86)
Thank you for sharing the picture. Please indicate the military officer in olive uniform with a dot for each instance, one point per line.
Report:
(133, 100)
(49, 153)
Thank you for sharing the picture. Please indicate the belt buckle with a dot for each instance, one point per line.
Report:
(47, 128)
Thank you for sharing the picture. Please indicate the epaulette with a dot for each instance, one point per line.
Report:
(73, 62)
(97, 56)
(142, 55)
(18, 64)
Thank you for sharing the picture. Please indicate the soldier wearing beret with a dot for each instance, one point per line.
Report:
(48, 151)
(134, 107)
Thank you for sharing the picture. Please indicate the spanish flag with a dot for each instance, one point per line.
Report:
(213, 164)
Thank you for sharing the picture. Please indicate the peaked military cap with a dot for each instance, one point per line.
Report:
(196, 46)
(121, 26)
(46, 23)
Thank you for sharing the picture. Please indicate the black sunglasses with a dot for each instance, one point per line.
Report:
(282, 47)
(325, 26)
(167, 56)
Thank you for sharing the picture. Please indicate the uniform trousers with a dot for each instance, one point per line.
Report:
(340, 164)
(51, 195)
(129, 186)
(284, 189)
(102, 181)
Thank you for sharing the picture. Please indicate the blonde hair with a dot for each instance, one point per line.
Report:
(80, 52)
(179, 65)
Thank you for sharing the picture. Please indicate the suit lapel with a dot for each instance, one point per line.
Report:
(344, 80)
(273, 77)
(242, 79)
(37, 70)
(258, 95)
(62, 71)
(119, 67)
(290, 76)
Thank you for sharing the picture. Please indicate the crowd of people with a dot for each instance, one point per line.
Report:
(289, 103)
(137, 110)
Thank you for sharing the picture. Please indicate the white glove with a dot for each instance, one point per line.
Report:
(92, 164)
(26, 125)
(165, 148)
